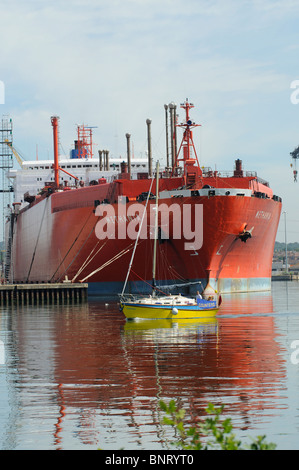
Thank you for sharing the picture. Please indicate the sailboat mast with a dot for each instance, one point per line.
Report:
(156, 230)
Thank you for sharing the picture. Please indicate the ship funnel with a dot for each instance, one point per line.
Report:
(172, 111)
(101, 160)
(166, 129)
(129, 153)
(104, 160)
(149, 144)
(238, 170)
(54, 121)
(106, 156)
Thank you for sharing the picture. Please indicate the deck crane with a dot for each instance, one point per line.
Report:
(19, 159)
(295, 156)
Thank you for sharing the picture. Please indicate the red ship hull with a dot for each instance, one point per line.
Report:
(57, 237)
(87, 234)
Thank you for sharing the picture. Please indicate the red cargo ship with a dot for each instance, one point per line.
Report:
(212, 227)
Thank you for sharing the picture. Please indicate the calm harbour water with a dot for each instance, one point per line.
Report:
(81, 377)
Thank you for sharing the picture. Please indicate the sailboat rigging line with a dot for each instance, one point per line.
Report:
(37, 240)
(136, 242)
(62, 261)
(156, 230)
(156, 288)
(117, 256)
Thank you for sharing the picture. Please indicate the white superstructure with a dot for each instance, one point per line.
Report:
(34, 174)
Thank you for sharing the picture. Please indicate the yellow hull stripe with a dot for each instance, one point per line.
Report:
(136, 311)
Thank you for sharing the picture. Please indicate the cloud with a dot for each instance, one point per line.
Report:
(89, 61)
(114, 64)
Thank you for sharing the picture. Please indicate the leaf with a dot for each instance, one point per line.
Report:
(163, 405)
(168, 421)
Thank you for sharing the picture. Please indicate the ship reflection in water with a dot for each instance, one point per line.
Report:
(82, 377)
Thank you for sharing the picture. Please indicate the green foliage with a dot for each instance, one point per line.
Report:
(212, 433)
(280, 246)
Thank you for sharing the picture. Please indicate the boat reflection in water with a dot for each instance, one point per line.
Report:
(102, 377)
(160, 324)
(233, 360)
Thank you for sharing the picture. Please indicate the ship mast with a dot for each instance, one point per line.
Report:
(54, 121)
(156, 232)
(84, 142)
(187, 145)
(57, 168)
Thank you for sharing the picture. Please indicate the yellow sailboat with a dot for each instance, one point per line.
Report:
(167, 306)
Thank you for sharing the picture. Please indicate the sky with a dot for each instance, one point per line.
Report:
(113, 64)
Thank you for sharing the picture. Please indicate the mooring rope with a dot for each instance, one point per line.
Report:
(89, 259)
(116, 257)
